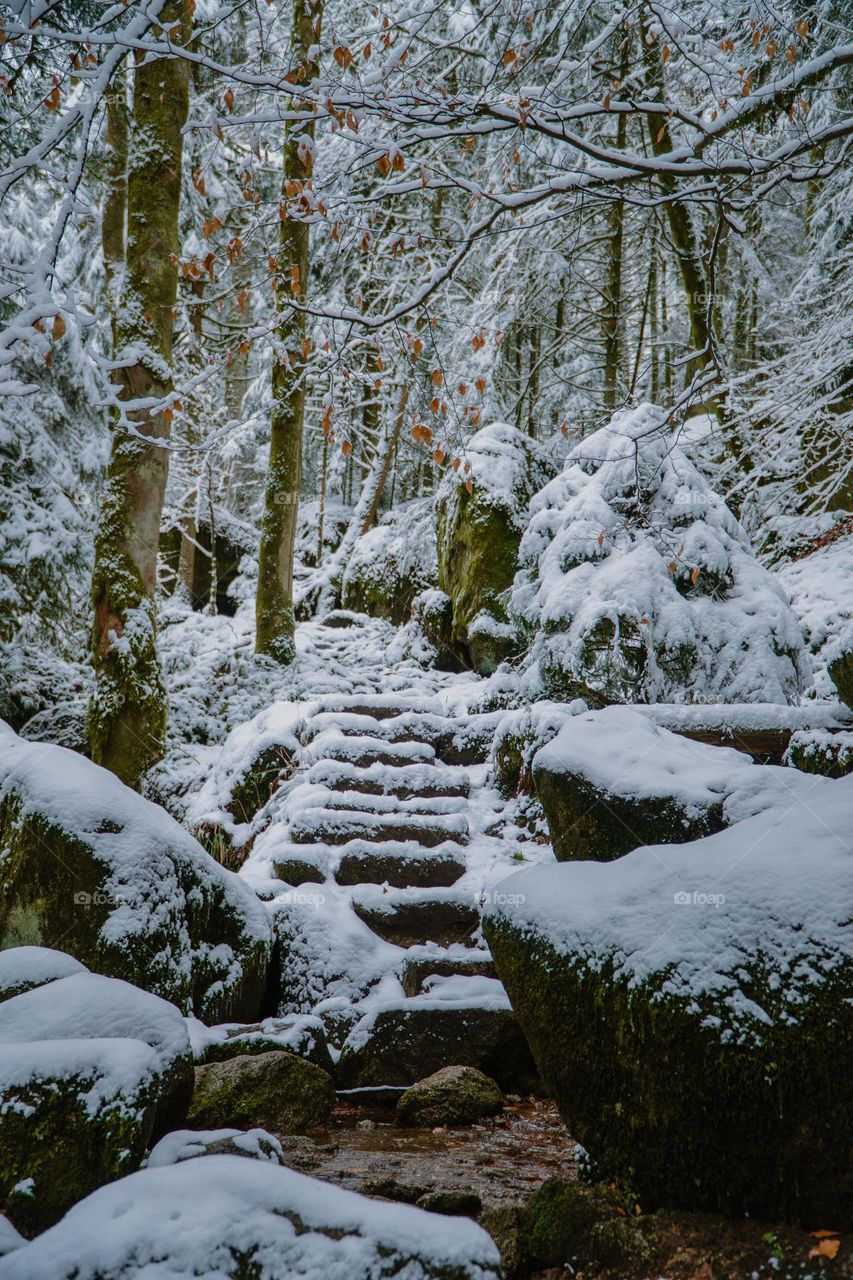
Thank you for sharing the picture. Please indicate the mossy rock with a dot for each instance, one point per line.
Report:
(89, 864)
(478, 534)
(841, 674)
(665, 1100)
(251, 791)
(26, 967)
(275, 1090)
(586, 822)
(451, 1203)
(822, 752)
(55, 1148)
(391, 563)
(451, 1096)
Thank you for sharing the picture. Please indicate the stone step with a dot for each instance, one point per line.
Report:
(399, 864)
(404, 1044)
(339, 826)
(363, 751)
(390, 780)
(412, 917)
(416, 972)
(381, 706)
(318, 797)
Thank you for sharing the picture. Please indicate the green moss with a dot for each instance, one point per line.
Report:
(452, 1096)
(54, 1151)
(666, 1104)
(841, 674)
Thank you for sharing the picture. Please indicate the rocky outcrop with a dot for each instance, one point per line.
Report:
(123, 887)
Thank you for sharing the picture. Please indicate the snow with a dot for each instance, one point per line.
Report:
(636, 581)
(24, 967)
(195, 1219)
(506, 467)
(741, 927)
(186, 1144)
(821, 589)
(111, 1072)
(297, 1033)
(89, 1006)
(621, 751)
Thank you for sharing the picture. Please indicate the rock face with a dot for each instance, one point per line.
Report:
(637, 584)
(840, 668)
(239, 1219)
(126, 889)
(479, 532)
(688, 1006)
(452, 1096)
(90, 1068)
(275, 1090)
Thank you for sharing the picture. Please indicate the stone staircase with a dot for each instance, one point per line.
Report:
(390, 805)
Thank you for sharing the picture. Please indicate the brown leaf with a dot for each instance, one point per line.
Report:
(58, 326)
(346, 448)
(827, 1247)
(228, 98)
(437, 377)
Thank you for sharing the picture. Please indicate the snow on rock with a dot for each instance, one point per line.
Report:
(392, 562)
(611, 780)
(636, 583)
(24, 967)
(820, 586)
(89, 1067)
(186, 1144)
(685, 984)
(127, 890)
(213, 1217)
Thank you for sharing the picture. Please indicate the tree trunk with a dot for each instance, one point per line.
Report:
(613, 297)
(274, 615)
(127, 717)
(388, 456)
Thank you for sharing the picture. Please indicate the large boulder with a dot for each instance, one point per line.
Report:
(235, 1219)
(391, 563)
(122, 886)
(22, 968)
(451, 1096)
(637, 584)
(275, 1090)
(481, 511)
(612, 780)
(688, 1006)
(90, 1068)
(840, 666)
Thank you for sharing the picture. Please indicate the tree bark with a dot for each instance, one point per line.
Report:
(613, 359)
(127, 716)
(274, 614)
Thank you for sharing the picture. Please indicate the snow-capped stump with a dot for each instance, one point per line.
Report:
(451, 1096)
(481, 514)
(636, 583)
(90, 1067)
(128, 892)
(611, 780)
(391, 563)
(223, 1217)
(275, 1090)
(22, 968)
(688, 1005)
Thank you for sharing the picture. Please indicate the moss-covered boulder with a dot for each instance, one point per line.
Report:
(481, 513)
(392, 563)
(90, 1068)
(451, 1096)
(612, 780)
(274, 1090)
(840, 668)
(821, 751)
(88, 863)
(688, 1007)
